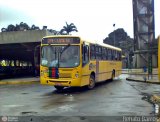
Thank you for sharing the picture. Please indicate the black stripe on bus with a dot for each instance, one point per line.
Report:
(101, 73)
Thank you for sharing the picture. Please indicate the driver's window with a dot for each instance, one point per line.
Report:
(85, 54)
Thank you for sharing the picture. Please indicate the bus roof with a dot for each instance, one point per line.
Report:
(103, 44)
(88, 41)
(60, 36)
(110, 46)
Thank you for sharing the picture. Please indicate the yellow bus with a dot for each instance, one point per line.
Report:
(159, 57)
(69, 61)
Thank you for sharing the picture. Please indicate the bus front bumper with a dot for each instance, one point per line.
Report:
(61, 82)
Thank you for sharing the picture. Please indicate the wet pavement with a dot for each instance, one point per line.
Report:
(117, 98)
(20, 80)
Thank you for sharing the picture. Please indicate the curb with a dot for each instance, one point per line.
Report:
(18, 82)
(136, 73)
(147, 81)
(130, 79)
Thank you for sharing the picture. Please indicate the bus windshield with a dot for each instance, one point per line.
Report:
(60, 56)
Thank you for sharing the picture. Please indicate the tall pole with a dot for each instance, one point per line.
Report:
(114, 34)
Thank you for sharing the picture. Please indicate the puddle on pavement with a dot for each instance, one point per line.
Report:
(24, 93)
(29, 113)
(127, 113)
(156, 107)
(12, 106)
(146, 97)
(67, 91)
(156, 92)
(59, 100)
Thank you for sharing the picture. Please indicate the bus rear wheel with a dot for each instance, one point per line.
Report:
(91, 84)
(59, 87)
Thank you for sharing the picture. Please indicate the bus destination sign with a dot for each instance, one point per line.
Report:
(61, 40)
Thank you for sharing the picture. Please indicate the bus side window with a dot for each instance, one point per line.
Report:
(106, 54)
(113, 55)
(85, 54)
(109, 55)
(103, 53)
(97, 57)
(92, 52)
(100, 53)
(116, 58)
(120, 56)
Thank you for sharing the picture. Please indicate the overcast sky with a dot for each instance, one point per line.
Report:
(94, 19)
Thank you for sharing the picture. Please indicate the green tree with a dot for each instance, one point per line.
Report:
(118, 36)
(3, 29)
(53, 31)
(23, 26)
(68, 28)
(17, 28)
(10, 28)
(33, 27)
(123, 41)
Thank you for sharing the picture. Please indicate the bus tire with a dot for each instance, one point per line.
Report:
(59, 87)
(91, 84)
(113, 75)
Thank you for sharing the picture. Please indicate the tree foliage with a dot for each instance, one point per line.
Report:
(68, 28)
(19, 27)
(120, 38)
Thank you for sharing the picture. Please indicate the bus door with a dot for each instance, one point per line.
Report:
(97, 70)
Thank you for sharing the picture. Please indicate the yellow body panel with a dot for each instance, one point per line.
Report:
(106, 68)
(104, 72)
(159, 58)
(67, 77)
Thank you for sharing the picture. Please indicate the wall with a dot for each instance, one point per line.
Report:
(23, 36)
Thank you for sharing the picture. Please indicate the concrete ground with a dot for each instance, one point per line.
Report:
(107, 102)
(27, 94)
(137, 75)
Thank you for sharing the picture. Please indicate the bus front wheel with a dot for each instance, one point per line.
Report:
(59, 87)
(91, 84)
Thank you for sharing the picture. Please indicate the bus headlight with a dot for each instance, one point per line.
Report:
(76, 75)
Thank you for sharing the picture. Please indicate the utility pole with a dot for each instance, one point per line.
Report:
(114, 34)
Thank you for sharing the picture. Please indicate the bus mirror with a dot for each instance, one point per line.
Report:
(84, 51)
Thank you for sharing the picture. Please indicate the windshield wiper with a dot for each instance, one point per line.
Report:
(60, 53)
(56, 55)
(65, 48)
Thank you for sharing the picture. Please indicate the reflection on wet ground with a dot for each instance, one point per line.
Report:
(70, 95)
(109, 98)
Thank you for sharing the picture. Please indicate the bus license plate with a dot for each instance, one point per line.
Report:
(58, 84)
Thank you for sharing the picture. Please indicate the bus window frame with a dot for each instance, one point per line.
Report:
(92, 52)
